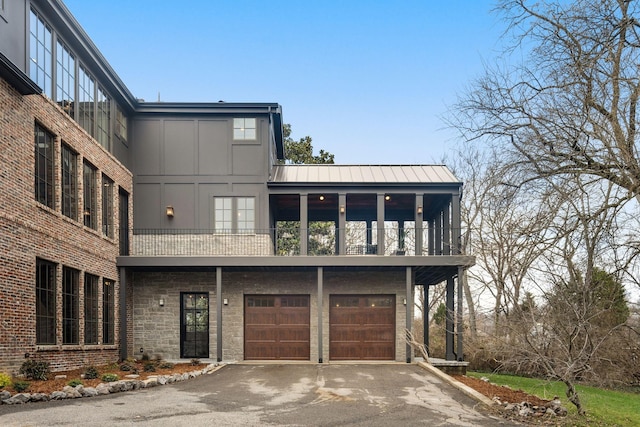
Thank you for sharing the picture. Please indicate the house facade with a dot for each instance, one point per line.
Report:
(177, 230)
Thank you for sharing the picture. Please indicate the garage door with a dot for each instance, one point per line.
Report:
(276, 327)
(362, 327)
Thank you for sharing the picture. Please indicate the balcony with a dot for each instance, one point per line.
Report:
(322, 239)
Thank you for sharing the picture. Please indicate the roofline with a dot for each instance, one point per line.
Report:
(351, 184)
(219, 107)
(16, 78)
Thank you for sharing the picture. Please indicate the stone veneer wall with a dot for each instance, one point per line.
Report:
(157, 329)
(30, 230)
(202, 244)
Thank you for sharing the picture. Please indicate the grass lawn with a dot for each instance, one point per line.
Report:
(603, 407)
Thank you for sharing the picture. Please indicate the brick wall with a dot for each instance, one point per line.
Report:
(29, 230)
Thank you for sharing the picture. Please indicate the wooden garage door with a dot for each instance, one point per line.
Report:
(362, 327)
(276, 327)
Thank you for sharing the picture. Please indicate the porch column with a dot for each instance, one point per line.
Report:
(304, 224)
(219, 313)
(449, 325)
(456, 243)
(123, 314)
(459, 329)
(320, 310)
(401, 236)
(369, 236)
(446, 230)
(432, 237)
(425, 319)
(438, 235)
(409, 308)
(342, 223)
(418, 220)
(380, 221)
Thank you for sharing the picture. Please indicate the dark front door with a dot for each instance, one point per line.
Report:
(194, 325)
(362, 327)
(276, 327)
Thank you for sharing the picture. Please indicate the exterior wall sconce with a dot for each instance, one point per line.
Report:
(225, 301)
(161, 302)
(342, 209)
(404, 301)
(387, 197)
(419, 210)
(170, 211)
(321, 197)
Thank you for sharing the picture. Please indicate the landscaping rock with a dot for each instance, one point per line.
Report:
(39, 397)
(71, 392)
(4, 394)
(102, 389)
(58, 395)
(18, 399)
(89, 392)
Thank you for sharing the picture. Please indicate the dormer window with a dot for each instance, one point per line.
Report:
(244, 129)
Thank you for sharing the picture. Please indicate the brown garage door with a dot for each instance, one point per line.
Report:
(276, 327)
(362, 327)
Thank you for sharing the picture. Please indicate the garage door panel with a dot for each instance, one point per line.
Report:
(362, 327)
(277, 327)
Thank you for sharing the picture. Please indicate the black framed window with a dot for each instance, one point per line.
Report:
(90, 203)
(123, 236)
(65, 78)
(44, 172)
(86, 98)
(40, 53)
(108, 311)
(70, 305)
(69, 167)
(107, 206)
(103, 108)
(121, 124)
(45, 302)
(90, 309)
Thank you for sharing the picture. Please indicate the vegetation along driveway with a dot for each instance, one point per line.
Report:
(274, 394)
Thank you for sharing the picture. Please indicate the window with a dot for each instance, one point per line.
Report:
(244, 129)
(121, 124)
(90, 196)
(108, 311)
(45, 302)
(65, 78)
(69, 161)
(234, 214)
(44, 166)
(40, 46)
(70, 305)
(102, 119)
(90, 309)
(86, 89)
(107, 206)
(123, 237)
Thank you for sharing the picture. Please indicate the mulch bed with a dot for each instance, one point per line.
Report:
(505, 394)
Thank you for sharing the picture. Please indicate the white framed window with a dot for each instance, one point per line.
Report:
(244, 129)
(234, 214)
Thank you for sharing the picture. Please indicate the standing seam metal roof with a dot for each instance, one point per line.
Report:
(363, 174)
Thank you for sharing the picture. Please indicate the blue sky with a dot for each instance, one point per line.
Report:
(368, 80)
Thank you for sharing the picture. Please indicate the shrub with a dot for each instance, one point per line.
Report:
(20, 386)
(91, 373)
(129, 367)
(109, 378)
(35, 369)
(195, 362)
(5, 380)
(149, 367)
(145, 357)
(74, 383)
(165, 365)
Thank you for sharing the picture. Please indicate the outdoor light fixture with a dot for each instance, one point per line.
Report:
(170, 211)
(321, 197)
(387, 197)
(404, 301)
(419, 210)
(161, 302)
(225, 301)
(342, 209)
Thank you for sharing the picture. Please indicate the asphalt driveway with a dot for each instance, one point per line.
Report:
(273, 394)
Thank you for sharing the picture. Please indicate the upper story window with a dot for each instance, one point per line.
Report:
(40, 56)
(65, 78)
(234, 214)
(121, 124)
(44, 172)
(69, 163)
(244, 129)
(107, 206)
(86, 98)
(90, 210)
(102, 119)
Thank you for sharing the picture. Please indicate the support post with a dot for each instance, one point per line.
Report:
(123, 314)
(456, 241)
(446, 231)
(425, 319)
(380, 223)
(449, 325)
(219, 313)
(459, 328)
(320, 311)
(418, 220)
(409, 308)
(304, 224)
(342, 223)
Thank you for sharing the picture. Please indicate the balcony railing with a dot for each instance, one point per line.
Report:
(285, 241)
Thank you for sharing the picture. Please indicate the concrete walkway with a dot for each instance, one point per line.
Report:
(275, 394)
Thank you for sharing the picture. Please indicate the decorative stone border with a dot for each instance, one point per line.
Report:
(79, 391)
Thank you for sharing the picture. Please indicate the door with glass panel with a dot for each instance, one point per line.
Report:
(194, 325)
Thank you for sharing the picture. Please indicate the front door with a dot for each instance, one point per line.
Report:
(194, 325)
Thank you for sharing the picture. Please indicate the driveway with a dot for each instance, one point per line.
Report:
(273, 394)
